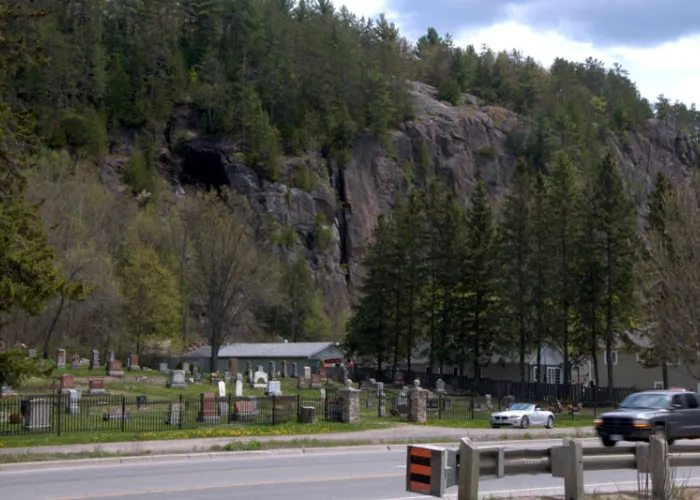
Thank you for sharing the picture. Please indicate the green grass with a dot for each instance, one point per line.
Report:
(231, 431)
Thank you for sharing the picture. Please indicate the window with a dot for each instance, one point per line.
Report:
(691, 401)
(613, 355)
(658, 386)
(678, 400)
(553, 375)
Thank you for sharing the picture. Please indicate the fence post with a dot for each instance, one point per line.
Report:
(471, 406)
(182, 411)
(59, 414)
(468, 481)
(274, 400)
(123, 413)
(298, 407)
(573, 478)
(230, 408)
(658, 465)
(439, 406)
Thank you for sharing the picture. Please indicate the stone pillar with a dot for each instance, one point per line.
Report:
(417, 403)
(350, 403)
(381, 400)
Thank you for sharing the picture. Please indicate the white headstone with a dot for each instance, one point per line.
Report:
(239, 388)
(274, 388)
(260, 380)
(222, 389)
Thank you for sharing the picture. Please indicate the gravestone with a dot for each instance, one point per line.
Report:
(274, 388)
(239, 389)
(307, 415)
(323, 395)
(115, 369)
(323, 373)
(222, 389)
(489, 402)
(133, 363)
(163, 367)
(272, 369)
(233, 365)
(284, 369)
(440, 386)
(417, 400)
(75, 362)
(73, 402)
(249, 372)
(260, 379)
(141, 403)
(381, 399)
(294, 370)
(37, 414)
(307, 372)
(302, 383)
(399, 378)
(246, 410)
(315, 381)
(32, 353)
(227, 376)
(186, 367)
(174, 414)
(96, 386)
(197, 373)
(110, 356)
(61, 359)
(207, 408)
(67, 382)
(239, 377)
(95, 360)
(350, 403)
(177, 380)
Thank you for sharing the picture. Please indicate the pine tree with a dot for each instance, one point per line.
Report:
(369, 330)
(540, 269)
(515, 256)
(616, 231)
(656, 226)
(563, 202)
(479, 281)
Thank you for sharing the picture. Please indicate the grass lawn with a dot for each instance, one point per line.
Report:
(233, 431)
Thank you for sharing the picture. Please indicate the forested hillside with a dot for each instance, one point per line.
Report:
(323, 121)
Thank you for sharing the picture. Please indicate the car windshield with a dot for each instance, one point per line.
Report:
(522, 407)
(645, 401)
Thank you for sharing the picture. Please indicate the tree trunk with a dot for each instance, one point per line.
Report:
(52, 327)
(609, 317)
(664, 374)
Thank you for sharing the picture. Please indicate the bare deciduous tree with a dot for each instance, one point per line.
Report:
(231, 277)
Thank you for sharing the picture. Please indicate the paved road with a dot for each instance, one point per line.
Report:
(325, 474)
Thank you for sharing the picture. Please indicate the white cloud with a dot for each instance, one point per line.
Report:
(668, 69)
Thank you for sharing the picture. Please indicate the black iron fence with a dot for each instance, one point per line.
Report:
(69, 413)
(62, 413)
(497, 388)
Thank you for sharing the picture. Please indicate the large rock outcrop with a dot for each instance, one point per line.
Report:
(459, 144)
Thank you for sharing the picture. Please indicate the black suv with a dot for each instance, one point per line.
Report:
(671, 414)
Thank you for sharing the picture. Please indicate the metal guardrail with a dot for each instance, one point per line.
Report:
(568, 461)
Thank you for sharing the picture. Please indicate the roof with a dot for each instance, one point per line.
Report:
(264, 350)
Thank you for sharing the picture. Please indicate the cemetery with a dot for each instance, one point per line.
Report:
(118, 396)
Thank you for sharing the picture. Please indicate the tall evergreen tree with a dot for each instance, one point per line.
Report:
(479, 282)
(563, 202)
(616, 232)
(515, 256)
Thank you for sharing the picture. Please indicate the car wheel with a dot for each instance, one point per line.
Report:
(525, 423)
(550, 423)
(608, 443)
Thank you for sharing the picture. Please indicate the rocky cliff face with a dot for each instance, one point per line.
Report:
(331, 212)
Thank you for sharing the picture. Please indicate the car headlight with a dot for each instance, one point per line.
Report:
(597, 421)
(641, 424)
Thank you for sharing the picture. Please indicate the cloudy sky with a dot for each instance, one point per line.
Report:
(657, 41)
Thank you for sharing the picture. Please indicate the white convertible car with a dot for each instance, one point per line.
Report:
(522, 415)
